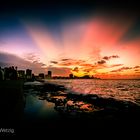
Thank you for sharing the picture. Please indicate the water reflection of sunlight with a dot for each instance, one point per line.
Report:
(39, 108)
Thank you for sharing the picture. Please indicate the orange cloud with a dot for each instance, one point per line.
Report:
(109, 57)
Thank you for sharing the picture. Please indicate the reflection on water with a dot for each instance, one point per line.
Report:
(41, 109)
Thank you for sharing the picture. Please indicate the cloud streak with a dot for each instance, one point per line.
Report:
(109, 57)
(135, 68)
(54, 62)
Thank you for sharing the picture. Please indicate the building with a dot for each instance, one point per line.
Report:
(28, 74)
(21, 74)
(49, 75)
(41, 75)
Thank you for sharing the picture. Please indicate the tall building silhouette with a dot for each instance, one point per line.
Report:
(28, 74)
(49, 74)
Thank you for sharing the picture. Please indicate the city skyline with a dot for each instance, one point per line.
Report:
(96, 40)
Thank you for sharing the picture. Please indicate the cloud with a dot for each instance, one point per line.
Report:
(89, 70)
(116, 65)
(65, 59)
(126, 68)
(39, 64)
(115, 56)
(86, 65)
(101, 62)
(76, 69)
(11, 59)
(136, 67)
(81, 67)
(65, 64)
(34, 60)
(109, 57)
(106, 57)
(54, 62)
(7, 60)
(137, 72)
(70, 62)
(121, 69)
(31, 57)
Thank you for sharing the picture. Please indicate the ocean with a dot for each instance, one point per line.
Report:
(119, 89)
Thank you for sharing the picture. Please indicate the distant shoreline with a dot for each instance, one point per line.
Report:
(42, 80)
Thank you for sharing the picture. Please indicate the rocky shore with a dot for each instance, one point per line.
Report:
(84, 112)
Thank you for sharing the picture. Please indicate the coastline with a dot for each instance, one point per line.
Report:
(79, 111)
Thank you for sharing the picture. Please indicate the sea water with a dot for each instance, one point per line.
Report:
(118, 89)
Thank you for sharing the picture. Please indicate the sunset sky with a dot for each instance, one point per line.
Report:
(95, 39)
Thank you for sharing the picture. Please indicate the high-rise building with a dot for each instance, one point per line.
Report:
(49, 74)
(28, 74)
